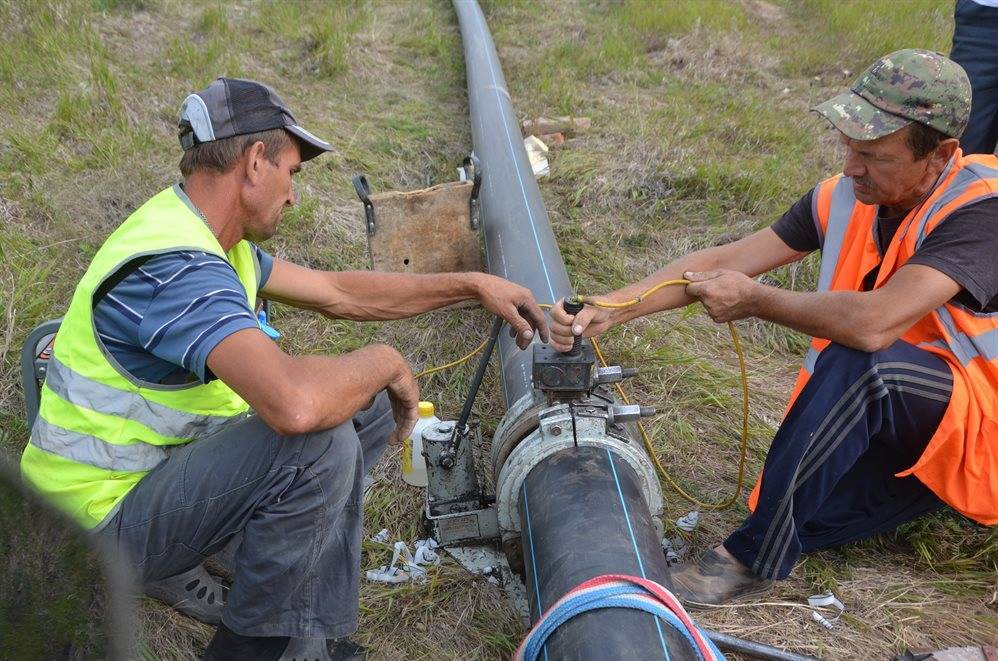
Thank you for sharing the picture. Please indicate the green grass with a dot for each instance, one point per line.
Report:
(319, 31)
(701, 134)
(853, 34)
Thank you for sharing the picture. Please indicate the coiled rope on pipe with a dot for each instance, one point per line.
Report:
(617, 591)
(645, 437)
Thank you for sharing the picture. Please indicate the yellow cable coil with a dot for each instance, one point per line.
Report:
(736, 342)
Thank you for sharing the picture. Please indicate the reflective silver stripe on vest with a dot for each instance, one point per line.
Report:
(85, 449)
(83, 391)
(966, 347)
(810, 358)
(814, 215)
(961, 182)
(843, 201)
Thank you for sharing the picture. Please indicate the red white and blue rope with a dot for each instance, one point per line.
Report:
(617, 591)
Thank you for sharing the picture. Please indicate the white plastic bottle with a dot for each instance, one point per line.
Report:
(413, 462)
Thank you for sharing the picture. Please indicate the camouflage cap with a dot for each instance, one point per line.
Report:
(906, 86)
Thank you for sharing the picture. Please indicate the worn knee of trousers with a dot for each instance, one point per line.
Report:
(333, 458)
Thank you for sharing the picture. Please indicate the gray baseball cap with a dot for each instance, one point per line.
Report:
(233, 106)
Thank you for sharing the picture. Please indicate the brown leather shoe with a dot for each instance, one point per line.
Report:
(714, 580)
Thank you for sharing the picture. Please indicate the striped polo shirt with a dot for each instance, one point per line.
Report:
(163, 319)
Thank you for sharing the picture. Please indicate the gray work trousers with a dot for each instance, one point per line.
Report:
(298, 502)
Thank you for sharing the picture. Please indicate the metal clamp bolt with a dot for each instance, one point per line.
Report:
(621, 413)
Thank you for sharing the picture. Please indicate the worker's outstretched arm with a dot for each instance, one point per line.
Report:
(868, 321)
(296, 395)
(754, 254)
(374, 295)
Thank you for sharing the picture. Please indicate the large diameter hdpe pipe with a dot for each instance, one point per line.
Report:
(519, 244)
(593, 522)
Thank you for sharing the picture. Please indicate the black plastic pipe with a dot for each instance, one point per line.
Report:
(585, 500)
(519, 244)
(583, 515)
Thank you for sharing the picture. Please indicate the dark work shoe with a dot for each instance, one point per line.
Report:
(194, 593)
(227, 645)
(714, 580)
(319, 649)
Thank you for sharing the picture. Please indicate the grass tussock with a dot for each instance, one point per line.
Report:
(701, 134)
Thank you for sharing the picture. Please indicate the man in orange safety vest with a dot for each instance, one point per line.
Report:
(895, 411)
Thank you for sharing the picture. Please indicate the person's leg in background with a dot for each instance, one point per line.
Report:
(975, 48)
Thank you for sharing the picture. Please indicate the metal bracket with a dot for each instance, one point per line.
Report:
(473, 171)
(364, 193)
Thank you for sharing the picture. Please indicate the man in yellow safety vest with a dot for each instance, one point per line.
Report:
(171, 424)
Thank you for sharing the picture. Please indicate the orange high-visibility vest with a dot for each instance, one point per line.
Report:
(960, 463)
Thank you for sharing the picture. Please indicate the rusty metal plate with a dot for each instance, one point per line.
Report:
(424, 231)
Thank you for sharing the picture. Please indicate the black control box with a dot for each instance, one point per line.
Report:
(563, 372)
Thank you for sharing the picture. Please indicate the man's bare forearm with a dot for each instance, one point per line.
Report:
(846, 317)
(300, 394)
(751, 255)
(333, 388)
(666, 298)
(375, 296)
(728, 256)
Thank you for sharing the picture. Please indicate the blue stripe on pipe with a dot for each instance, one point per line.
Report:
(533, 562)
(634, 544)
(509, 140)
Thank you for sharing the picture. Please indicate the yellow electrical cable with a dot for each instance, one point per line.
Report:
(646, 439)
(589, 300)
(457, 362)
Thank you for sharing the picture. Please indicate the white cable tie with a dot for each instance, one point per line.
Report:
(825, 600)
(821, 619)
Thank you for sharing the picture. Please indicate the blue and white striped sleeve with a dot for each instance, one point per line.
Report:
(192, 309)
(266, 263)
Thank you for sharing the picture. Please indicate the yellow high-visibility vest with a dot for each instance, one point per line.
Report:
(99, 430)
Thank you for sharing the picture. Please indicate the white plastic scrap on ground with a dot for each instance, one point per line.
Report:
(404, 565)
(383, 536)
(688, 522)
(675, 550)
(426, 552)
(824, 601)
(536, 153)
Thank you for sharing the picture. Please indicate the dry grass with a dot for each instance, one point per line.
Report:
(701, 134)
